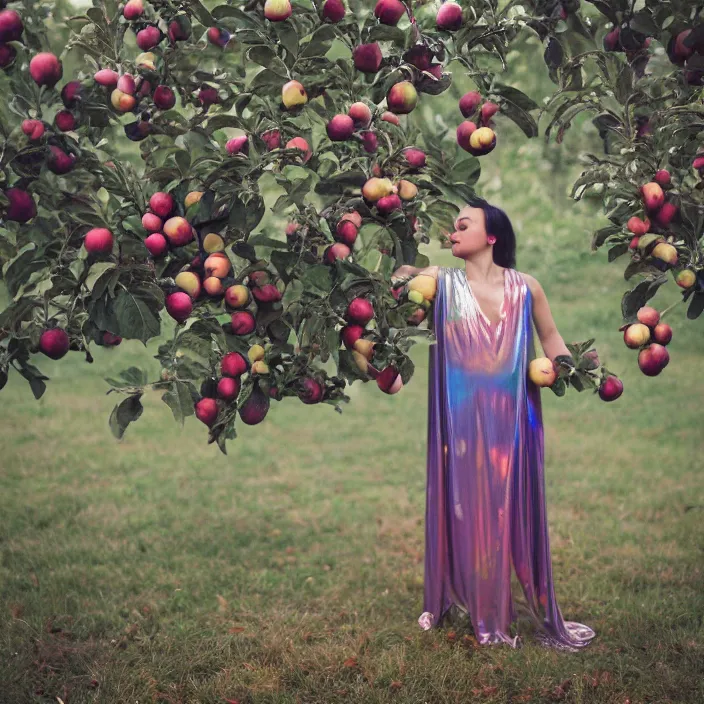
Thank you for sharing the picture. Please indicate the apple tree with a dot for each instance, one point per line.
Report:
(136, 192)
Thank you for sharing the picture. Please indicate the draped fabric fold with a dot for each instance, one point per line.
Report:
(485, 494)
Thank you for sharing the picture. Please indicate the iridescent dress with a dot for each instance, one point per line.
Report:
(485, 500)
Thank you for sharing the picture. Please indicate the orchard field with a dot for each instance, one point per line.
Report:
(156, 569)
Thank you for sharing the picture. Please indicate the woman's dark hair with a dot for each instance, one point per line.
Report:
(499, 225)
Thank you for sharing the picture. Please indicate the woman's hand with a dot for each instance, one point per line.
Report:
(405, 270)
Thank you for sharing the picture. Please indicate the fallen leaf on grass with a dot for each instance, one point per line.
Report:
(236, 629)
(395, 684)
(222, 603)
(350, 662)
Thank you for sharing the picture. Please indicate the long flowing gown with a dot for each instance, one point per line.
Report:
(485, 497)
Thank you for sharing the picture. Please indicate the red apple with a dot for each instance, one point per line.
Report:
(359, 311)
(22, 206)
(207, 411)
(161, 203)
(99, 240)
(611, 388)
(156, 244)
(228, 388)
(233, 364)
(242, 322)
(54, 343)
(46, 69)
(179, 306)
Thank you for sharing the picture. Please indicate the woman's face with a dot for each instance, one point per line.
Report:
(470, 233)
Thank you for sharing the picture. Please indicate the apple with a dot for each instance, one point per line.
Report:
(161, 203)
(402, 97)
(106, 77)
(11, 26)
(237, 296)
(64, 121)
(611, 40)
(228, 388)
(354, 217)
(151, 222)
(636, 335)
(189, 282)
(686, 278)
(340, 128)
(46, 69)
(350, 334)
(121, 101)
(217, 264)
(34, 129)
(22, 206)
(648, 316)
(133, 9)
(364, 347)
(611, 388)
(653, 359)
(233, 364)
(653, 196)
(126, 84)
(482, 140)
(469, 102)
(207, 411)
(277, 10)
(367, 58)
(260, 367)
(192, 198)
(361, 114)
(370, 142)
(54, 343)
(178, 231)
(7, 55)
(542, 372)
(449, 16)
(637, 226)
(149, 37)
(98, 241)
(389, 12)
(179, 306)
(346, 232)
(266, 294)
(59, 162)
(388, 116)
(302, 145)
(164, 97)
(664, 254)
(218, 37)
(242, 322)
(666, 214)
(207, 96)
(414, 157)
(71, 94)
(376, 188)
(212, 243)
(255, 408)
(237, 145)
(179, 29)
(255, 353)
(311, 390)
(156, 244)
(293, 94)
(146, 60)
(336, 251)
(259, 278)
(488, 111)
(390, 381)
(407, 190)
(272, 139)
(213, 286)
(333, 10)
(359, 311)
(387, 204)
(111, 340)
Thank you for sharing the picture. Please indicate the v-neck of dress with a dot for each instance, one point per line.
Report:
(502, 313)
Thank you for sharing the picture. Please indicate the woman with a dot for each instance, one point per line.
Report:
(485, 500)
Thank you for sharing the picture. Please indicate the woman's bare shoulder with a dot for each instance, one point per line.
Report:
(531, 282)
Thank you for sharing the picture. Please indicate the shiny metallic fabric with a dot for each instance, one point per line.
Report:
(485, 499)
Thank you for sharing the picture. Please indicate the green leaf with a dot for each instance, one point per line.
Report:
(35, 378)
(266, 56)
(516, 96)
(124, 413)
(319, 43)
(180, 398)
(317, 279)
(135, 319)
(288, 37)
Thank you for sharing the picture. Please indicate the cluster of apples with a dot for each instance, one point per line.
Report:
(476, 135)
(544, 372)
(218, 393)
(272, 138)
(421, 290)
(650, 336)
(358, 314)
(661, 252)
(165, 229)
(64, 120)
(629, 43)
(345, 234)
(386, 196)
(685, 49)
(148, 34)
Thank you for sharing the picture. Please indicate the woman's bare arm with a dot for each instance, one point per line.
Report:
(550, 339)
